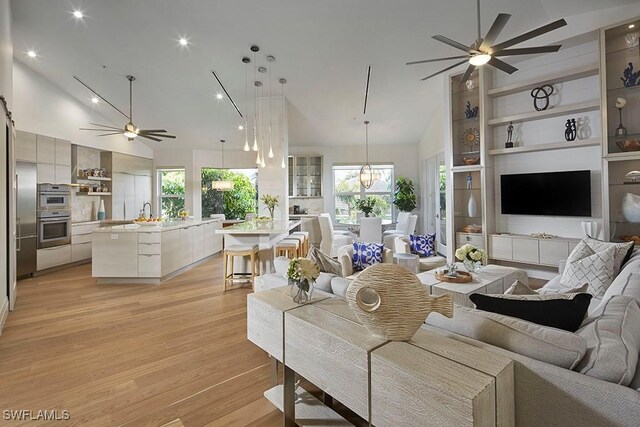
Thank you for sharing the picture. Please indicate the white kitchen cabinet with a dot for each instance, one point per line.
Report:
(198, 242)
(212, 241)
(117, 254)
(62, 174)
(53, 257)
(500, 247)
(123, 197)
(185, 255)
(26, 146)
(46, 173)
(525, 250)
(553, 251)
(81, 241)
(170, 251)
(149, 265)
(530, 250)
(474, 239)
(80, 251)
(45, 149)
(63, 152)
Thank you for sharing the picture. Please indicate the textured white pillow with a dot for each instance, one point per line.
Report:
(621, 250)
(613, 341)
(584, 265)
(519, 288)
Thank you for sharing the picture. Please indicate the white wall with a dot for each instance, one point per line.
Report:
(43, 108)
(6, 53)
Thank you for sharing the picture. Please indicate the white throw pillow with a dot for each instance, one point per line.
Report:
(621, 250)
(584, 265)
(519, 288)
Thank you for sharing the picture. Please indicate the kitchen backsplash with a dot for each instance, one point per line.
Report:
(314, 205)
(85, 208)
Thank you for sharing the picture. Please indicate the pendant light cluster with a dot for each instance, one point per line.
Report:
(262, 126)
(368, 176)
(222, 185)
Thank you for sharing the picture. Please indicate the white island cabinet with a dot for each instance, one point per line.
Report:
(150, 254)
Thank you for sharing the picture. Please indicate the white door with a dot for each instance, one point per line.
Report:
(440, 184)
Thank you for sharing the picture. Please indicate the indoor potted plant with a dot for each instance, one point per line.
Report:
(302, 272)
(405, 197)
(271, 202)
(367, 205)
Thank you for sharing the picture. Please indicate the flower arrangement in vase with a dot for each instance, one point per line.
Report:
(471, 257)
(302, 272)
(271, 202)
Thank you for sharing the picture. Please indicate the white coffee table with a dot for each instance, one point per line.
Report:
(491, 279)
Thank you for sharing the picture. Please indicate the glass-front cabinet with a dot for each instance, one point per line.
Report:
(305, 176)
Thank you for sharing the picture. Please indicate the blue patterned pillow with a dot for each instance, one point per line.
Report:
(423, 245)
(366, 254)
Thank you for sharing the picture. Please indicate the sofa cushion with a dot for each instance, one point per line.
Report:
(584, 265)
(339, 286)
(422, 245)
(627, 284)
(623, 251)
(561, 313)
(519, 288)
(431, 262)
(324, 261)
(366, 254)
(613, 341)
(281, 265)
(550, 345)
(323, 282)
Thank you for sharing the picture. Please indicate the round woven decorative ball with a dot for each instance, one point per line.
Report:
(392, 303)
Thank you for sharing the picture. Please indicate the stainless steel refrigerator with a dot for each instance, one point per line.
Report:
(27, 240)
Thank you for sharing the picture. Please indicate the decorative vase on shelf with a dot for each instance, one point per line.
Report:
(472, 206)
(301, 291)
(472, 266)
(102, 214)
(631, 207)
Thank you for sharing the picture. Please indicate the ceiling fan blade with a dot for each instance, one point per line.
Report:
(529, 50)
(529, 35)
(114, 133)
(467, 74)
(495, 30)
(151, 138)
(501, 65)
(151, 130)
(100, 96)
(98, 130)
(424, 61)
(159, 135)
(454, 43)
(442, 71)
(104, 126)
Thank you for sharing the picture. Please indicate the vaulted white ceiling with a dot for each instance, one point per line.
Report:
(322, 48)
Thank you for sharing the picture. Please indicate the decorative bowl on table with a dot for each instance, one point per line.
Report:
(471, 161)
(629, 144)
(263, 219)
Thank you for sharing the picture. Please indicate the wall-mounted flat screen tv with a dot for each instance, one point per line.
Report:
(547, 193)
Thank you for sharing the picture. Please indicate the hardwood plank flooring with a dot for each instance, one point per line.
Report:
(173, 354)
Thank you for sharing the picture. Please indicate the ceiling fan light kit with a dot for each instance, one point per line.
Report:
(483, 51)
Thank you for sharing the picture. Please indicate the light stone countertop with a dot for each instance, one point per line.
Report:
(155, 228)
(256, 227)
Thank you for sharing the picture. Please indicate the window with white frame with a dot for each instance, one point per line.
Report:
(347, 191)
(171, 191)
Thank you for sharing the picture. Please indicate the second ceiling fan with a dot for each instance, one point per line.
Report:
(484, 51)
(130, 130)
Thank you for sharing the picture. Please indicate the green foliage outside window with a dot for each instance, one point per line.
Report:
(236, 203)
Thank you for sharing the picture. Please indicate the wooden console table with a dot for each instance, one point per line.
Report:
(429, 380)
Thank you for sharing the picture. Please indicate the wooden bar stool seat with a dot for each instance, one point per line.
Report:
(289, 248)
(242, 251)
(301, 239)
(305, 244)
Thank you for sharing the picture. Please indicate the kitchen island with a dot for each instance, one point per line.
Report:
(255, 232)
(149, 254)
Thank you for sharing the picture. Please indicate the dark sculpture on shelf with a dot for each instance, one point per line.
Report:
(542, 92)
(471, 113)
(629, 78)
(509, 143)
(570, 131)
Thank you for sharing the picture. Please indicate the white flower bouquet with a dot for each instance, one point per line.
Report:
(303, 271)
(472, 257)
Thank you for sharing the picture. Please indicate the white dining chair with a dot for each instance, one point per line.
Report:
(370, 230)
(250, 216)
(331, 241)
(401, 223)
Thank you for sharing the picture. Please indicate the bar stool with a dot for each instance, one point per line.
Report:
(305, 244)
(289, 248)
(242, 251)
(301, 240)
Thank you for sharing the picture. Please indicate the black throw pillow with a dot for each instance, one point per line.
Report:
(566, 314)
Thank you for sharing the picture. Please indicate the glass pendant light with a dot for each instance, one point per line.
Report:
(282, 82)
(222, 185)
(270, 59)
(246, 61)
(368, 176)
(255, 110)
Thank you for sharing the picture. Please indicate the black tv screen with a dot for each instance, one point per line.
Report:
(548, 193)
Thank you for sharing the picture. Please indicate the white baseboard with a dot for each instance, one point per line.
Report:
(4, 312)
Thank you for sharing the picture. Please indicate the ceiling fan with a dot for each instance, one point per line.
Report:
(130, 130)
(484, 51)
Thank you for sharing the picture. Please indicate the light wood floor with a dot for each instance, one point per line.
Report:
(134, 355)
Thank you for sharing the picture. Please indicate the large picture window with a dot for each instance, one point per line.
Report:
(171, 191)
(236, 203)
(347, 191)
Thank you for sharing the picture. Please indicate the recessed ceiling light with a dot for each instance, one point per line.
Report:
(632, 25)
(32, 54)
(183, 41)
(95, 100)
(240, 127)
(219, 96)
(78, 14)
